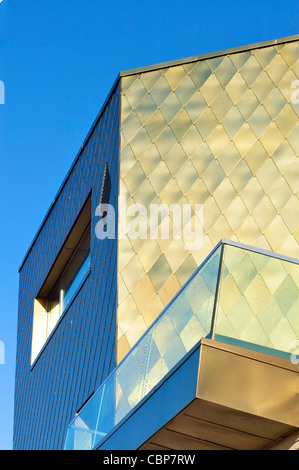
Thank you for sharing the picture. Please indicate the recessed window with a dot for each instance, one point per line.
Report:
(69, 281)
(63, 281)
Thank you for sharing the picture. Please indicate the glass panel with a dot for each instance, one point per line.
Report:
(258, 302)
(82, 433)
(75, 272)
(257, 309)
(68, 294)
(47, 311)
(186, 320)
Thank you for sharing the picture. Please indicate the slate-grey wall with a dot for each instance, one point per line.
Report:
(81, 352)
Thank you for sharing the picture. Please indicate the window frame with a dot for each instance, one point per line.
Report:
(42, 332)
(60, 279)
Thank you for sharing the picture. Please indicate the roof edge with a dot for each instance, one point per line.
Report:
(148, 69)
(209, 55)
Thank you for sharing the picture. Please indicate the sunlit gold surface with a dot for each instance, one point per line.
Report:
(221, 132)
(266, 386)
(245, 400)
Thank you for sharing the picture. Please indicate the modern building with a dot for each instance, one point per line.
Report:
(158, 301)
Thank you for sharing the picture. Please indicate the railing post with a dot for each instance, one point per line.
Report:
(221, 258)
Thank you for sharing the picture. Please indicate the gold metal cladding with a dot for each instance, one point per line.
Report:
(266, 386)
(221, 132)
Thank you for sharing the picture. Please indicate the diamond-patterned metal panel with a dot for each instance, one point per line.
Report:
(221, 132)
(258, 299)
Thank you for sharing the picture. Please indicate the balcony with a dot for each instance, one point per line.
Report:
(216, 370)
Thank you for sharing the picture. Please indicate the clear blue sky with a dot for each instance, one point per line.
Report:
(58, 61)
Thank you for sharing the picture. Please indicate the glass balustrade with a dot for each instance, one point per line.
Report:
(181, 325)
(238, 295)
(258, 301)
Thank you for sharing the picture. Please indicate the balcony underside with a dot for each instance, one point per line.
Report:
(242, 400)
(204, 425)
(253, 403)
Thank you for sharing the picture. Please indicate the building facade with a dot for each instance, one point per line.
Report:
(171, 246)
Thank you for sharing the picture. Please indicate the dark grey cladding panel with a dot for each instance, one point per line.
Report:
(81, 351)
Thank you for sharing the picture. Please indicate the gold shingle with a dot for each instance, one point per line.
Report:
(221, 132)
